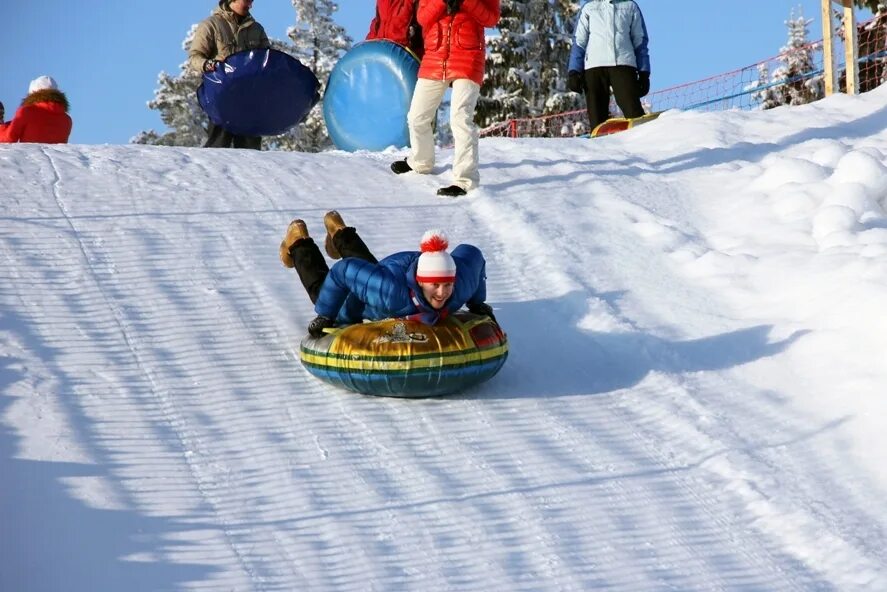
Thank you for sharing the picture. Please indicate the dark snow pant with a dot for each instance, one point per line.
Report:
(218, 137)
(312, 267)
(624, 82)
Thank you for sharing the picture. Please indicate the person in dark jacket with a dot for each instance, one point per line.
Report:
(396, 21)
(41, 118)
(610, 51)
(425, 285)
(230, 28)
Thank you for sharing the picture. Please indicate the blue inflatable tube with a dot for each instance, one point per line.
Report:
(368, 96)
(259, 92)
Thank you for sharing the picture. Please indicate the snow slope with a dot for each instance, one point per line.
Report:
(695, 396)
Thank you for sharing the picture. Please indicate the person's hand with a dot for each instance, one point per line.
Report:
(643, 83)
(575, 81)
(482, 309)
(211, 65)
(320, 322)
(453, 6)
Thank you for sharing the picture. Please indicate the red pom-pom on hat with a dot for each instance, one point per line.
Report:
(434, 240)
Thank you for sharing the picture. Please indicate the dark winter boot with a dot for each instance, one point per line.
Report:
(401, 166)
(451, 191)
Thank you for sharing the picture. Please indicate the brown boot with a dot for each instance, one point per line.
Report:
(333, 222)
(296, 231)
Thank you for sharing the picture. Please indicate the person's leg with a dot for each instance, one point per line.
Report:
(465, 158)
(310, 265)
(349, 244)
(624, 80)
(217, 137)
(597, 96)
(423, 107)
(249, 142)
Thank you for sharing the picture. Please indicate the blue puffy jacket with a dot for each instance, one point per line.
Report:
(610, 33)
(355, 289)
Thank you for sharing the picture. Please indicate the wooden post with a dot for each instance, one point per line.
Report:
(851, 48)
(828, 58)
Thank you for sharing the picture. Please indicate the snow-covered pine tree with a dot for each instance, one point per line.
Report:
(798, 86)
(763, 93)
(526, 61)
(318, 42)
(176, 100)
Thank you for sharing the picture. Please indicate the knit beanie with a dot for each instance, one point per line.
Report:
(42, 83)
(435, 264)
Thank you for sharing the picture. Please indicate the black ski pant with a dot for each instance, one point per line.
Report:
(312, 267)
(219, 137)
(624, 82)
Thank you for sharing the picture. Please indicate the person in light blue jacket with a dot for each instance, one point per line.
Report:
(426, 285)
(610, 51)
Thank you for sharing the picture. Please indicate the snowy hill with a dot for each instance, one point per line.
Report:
(695, 397)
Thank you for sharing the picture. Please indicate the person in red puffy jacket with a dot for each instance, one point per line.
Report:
(42, 117)
(455, 51)
(396, 21)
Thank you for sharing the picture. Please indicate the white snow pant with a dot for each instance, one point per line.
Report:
(426, 99)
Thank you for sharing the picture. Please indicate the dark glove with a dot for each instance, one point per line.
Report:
(2, 113)
(211, 65)
(643, 83)
(575, 81)
(453, 6)
(482, 309)
(320, 322)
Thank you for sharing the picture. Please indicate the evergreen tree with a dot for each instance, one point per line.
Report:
(526, 62)
(763, 93)
(870, 4)
(318, 42)
(797, 85)
(176, 100)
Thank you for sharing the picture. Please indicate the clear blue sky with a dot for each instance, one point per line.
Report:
(106, 55)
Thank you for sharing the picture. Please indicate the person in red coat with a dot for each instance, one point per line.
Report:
(396, 21)
(42, 117)
(455, 51)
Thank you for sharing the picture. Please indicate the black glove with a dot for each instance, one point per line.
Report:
(643, 83)
(482, 309)
(576, 81)
(2, 113)
(453, 6)
(320, 322)
(211, 65)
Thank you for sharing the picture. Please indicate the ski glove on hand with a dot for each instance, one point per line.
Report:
(452, 6)
(211, 65)
(575, 81)
(643, 83)
(320, 322)
(483, 309)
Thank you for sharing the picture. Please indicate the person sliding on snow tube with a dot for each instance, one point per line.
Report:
(425, 285)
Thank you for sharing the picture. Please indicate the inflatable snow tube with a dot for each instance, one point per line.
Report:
(401, 358)
(368, 96)
(259, 92)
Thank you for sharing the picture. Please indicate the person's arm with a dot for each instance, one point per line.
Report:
(485, 12)
(264, 43)
(12, 132)
(371, 283)
(430, 12)
(640, 40)
(203, 47)
(374, 25)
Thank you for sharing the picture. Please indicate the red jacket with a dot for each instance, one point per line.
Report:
(455, 46)
(393, 21)
(43, 117)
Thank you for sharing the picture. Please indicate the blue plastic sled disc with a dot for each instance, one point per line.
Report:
(368, 96)
(259, 92)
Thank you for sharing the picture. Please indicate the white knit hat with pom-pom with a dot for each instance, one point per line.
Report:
(435, 264)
